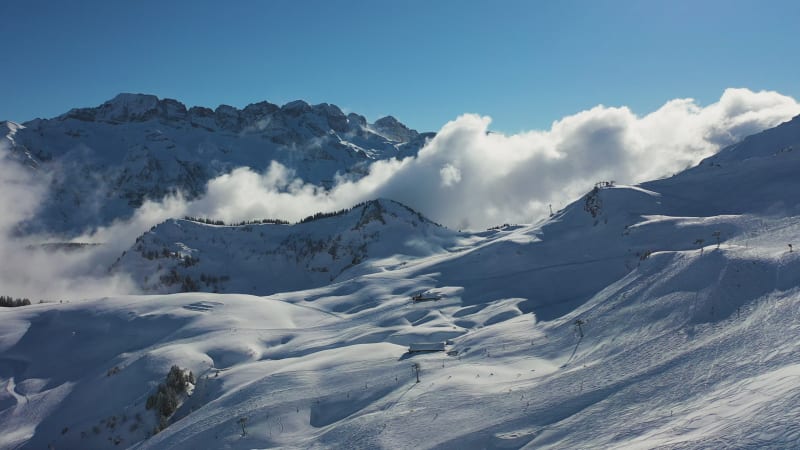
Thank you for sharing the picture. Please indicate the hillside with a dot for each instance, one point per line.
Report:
(650, 316)
(675, 353)
(103, 162)
(265, 258)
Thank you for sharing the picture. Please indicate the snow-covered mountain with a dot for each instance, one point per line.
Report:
(265, 258)
(652, 316)
(105, 161)
(612, 222)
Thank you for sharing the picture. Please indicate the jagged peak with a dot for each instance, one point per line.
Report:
(9, 127)
(141, 106)
(138, 107)
(200, 111)
(262, 108)
(130, 107)
(296, 108)
(128, 98)
(328, 109)
(387, 121)
(227, 109)
(393, 129)
(357, 119)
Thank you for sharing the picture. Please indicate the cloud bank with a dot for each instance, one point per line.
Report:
(470, 177)
(27, 268)
(466, 177)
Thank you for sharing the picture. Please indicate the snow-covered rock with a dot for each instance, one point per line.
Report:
(264, 258)
(392, 128)
(104, 161)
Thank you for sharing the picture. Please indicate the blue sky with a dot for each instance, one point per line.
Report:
(525, 63)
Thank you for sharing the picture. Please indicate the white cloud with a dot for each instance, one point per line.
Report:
(20, 193)
(468, 176)
(27, 270)
(450, 174)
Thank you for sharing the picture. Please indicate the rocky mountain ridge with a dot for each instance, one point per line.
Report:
(104, 162)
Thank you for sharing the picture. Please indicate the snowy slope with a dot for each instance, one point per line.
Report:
(652, 316)
(675, 353)
(105, 161)
(185, 255)
(757, 175)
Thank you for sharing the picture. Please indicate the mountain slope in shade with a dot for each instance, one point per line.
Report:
(105, 161)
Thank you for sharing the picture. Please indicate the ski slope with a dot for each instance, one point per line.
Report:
(687, 350)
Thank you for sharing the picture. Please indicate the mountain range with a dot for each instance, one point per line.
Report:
(659, 315)
(104, 162)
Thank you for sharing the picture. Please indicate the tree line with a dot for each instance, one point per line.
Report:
(10, 302)
(208, 221)
(311, 218)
